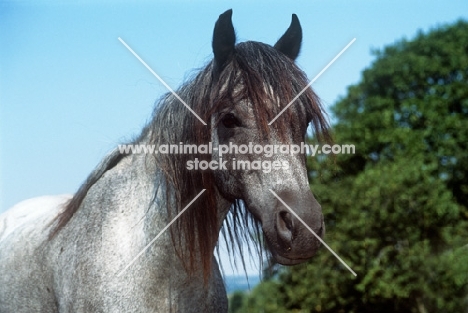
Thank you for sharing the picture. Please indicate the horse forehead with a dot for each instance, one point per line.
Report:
(267, 89)
(271, 93)
(237, 87)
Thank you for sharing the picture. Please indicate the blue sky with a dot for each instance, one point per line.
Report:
(70, 91)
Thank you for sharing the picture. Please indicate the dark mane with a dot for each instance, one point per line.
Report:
(253, 69)
(109, 161)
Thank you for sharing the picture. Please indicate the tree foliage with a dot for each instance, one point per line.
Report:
(397, 210)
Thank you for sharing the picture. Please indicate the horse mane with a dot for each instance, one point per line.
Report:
(253, 66)
(109, 161)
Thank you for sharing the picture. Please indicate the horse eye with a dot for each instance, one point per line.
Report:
(230, 121)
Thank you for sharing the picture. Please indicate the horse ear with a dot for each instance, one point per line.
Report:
(224, 39)
(290, 42)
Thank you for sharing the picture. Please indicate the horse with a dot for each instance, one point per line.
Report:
(73, 253)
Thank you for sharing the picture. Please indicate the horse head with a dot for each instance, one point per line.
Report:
(254, 83)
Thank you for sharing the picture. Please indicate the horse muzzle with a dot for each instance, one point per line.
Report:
(296, 243)
(293, 233)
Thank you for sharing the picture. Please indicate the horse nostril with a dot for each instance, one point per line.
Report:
(287, 219)
(285, 228)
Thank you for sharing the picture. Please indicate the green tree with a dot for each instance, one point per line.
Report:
(264, 298)
(235, 301)
(397, 209)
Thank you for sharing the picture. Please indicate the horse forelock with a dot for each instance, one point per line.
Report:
(269, 81)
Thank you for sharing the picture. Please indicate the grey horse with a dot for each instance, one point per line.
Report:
(77, 253)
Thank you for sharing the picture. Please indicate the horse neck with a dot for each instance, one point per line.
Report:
(156, 217)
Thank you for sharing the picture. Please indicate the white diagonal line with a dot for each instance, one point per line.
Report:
(313, 80)
(160, 233)
(162, 81)
(316, 236)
